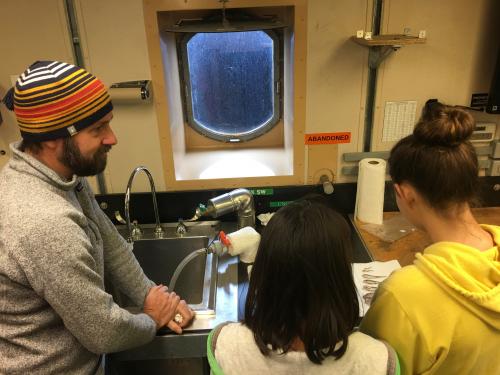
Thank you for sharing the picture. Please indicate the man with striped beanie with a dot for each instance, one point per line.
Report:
(56, 244)
(55, 101)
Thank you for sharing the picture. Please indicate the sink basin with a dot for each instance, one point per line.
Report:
(196, 283)
(208, 283)
(159, 258)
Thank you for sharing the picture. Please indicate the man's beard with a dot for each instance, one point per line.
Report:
(73, 159)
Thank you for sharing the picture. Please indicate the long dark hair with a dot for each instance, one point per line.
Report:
(301, 284)
(438, 159)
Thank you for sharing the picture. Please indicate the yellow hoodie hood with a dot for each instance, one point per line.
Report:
(470, 275)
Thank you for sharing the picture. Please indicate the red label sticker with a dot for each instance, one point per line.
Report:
(327, 138)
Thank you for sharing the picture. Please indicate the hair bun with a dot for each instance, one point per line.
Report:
(444, 125)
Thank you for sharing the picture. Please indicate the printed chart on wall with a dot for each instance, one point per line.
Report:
(399, 119)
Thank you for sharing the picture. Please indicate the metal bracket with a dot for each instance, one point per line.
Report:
(144, 86)
(357, 156)
(352, 170)
(378, 54)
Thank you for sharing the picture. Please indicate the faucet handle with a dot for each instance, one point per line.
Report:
(136, 230)
(159, 231)
(181, 228)
(119, 217)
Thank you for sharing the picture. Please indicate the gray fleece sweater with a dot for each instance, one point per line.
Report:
(56, 247)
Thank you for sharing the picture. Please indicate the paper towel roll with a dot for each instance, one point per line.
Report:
(126, 94)
(370, 192)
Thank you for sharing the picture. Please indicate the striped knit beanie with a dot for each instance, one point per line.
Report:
(53, 100)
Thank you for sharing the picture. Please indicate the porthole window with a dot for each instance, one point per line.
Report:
(231, 83)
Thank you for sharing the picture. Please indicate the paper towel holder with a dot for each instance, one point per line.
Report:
(327, 184)
(143, 85)
(326, 178)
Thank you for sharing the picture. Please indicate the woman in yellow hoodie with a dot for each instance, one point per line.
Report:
(441, 314)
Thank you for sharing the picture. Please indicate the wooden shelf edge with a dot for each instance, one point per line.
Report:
(389, 40)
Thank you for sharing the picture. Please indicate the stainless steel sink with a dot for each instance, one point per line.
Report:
(159, 257)
(208, 283)
(196, 284)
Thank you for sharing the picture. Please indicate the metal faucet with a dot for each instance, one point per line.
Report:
(239, 200)
(181, 228)
(158, 229)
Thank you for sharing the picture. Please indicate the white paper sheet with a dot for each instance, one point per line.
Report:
(399, 120)
(367, 277)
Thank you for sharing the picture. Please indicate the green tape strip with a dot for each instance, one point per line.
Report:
(263, 191)
(279, 203)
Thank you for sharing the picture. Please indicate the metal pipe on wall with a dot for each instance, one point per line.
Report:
(78, 55)
(372, 80)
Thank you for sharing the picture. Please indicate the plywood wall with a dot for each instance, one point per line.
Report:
(115, 50)
(456, 61)
(336, 75)
(25, 37)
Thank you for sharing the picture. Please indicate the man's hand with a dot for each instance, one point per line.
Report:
(184, 315)
(160, 305)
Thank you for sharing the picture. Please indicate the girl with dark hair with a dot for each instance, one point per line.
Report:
(302, 305)
(441, 314)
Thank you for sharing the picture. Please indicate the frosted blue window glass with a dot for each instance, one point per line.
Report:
(231, 82)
